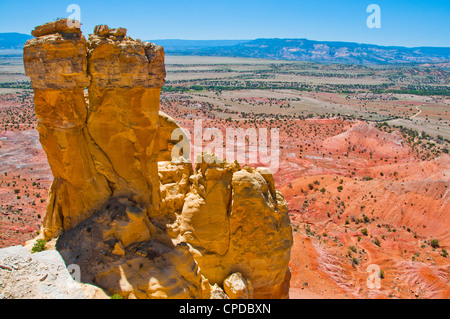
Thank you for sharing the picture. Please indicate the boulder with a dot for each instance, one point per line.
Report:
(40, 275)
(237, 287)
(63, 26)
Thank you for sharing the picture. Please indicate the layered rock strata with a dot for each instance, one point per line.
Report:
(110, 147)
(56, 62)
(137, 223)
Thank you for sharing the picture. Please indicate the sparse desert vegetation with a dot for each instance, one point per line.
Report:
(364, 162)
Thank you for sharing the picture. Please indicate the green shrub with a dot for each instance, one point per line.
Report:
(377, 242)
(39, 245)
(434, 243)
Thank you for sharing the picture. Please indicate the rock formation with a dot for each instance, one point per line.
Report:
(237, 287)
(121, 250)
(106, 148)
(56, 62)
(235, 221)
(137, 222)
(41, 275)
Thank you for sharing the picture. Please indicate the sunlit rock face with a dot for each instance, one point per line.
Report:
(139, 223)
(56, 62)
(235, 221)
(103, 146)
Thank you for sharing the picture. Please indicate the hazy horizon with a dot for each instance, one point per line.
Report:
(315, 40)
(248, 40)
(403, 23)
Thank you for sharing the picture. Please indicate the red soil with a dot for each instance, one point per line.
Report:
(339, 177)
(24, 181)
(403, 203)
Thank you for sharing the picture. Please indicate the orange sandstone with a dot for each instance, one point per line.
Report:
(139, 224)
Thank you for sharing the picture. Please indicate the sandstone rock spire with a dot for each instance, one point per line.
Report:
(123, 115)
(137, 223)
(105, 147)
(103, 153)
(56, 62)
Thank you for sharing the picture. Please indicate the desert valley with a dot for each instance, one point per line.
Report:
(364, 163)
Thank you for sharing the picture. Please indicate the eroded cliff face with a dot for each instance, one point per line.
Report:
(123, 115)
(56, 62)
(235, 221)
(138, 223)
(106, 147)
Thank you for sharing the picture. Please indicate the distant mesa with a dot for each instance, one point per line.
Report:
(12, 43)
(308, 50)
(280, 49)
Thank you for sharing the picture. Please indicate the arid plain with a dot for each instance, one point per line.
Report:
(364, 163)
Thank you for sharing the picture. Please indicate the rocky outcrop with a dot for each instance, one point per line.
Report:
(128, 255)
(235, 221)
(56, 62)
(138, 222)
(123, 115)
(105, 147)
(40, 276)
(170, 135)
(237, 287)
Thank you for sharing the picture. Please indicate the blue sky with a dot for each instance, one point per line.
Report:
(404, 23)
